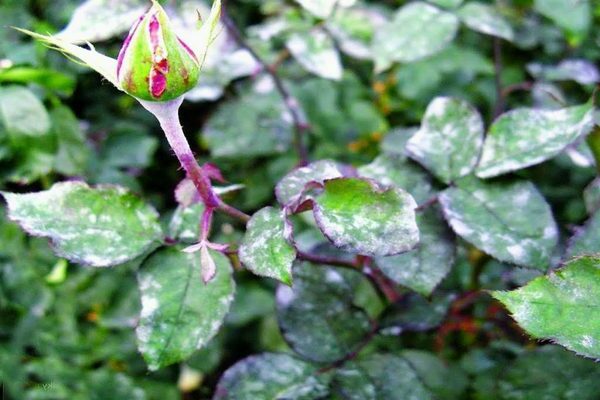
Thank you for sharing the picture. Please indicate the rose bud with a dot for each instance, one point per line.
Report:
(154, 64)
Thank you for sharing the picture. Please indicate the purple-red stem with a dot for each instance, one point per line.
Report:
(167, 114)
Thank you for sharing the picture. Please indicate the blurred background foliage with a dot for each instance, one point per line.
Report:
(66, 331)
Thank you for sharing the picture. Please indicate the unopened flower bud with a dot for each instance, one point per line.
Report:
(154, 64)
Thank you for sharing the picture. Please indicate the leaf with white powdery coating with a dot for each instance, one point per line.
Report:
(264, 249)
(291, 186)
(403, 39)
(100, 226)
(320, 317)
(180, 313)
(423, 268)
(450, 139)
(512, 222)
(586, 240)
(393, 170)
(357, 216)
(525, 137)
(486, 19)
(271, 377)
(562, 306)
(316, 53)
(379, 377)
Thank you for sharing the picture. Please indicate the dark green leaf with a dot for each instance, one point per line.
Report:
(403, 39)
(318, 316)
(251, 126)
(271, 377)
(379, 377)
(486, 19)
(548, 372)
(392, 170)
(423, 268)
(22, 114)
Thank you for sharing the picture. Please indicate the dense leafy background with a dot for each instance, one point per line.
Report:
(69, 331)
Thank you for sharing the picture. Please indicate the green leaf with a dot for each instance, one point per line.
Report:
(100, 226)
(399, 172)
(574, 16)
(73, 153)
(324, 8)
(319, 316)
(445, 381)
(403, 39)
(96, 20)
(47, 78)
(591, 196)
(586, 240)
(510, 221)
(423, 268)
(251, 126)
(562, 306)
(547, 372)
(180, 313)
(264, 249)
(417, 313)
(447, 3)
(353, 29)
(22, 114)
(271, 377)
(316, 52)
(184, 224)
(486, 19)
(525, 137)
(379, 377)
(450, 139)
(357, 216)
(292, 185)
(579, 70)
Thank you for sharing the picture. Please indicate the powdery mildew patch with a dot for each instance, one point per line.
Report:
(511, 222)
(525, 137)
(180, 313)
(100, 226)
(264, 249)
(450, 139)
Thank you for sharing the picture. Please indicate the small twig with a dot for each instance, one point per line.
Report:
(383, 283)
(499, 107)
(507, 91)
(292, 105)
(338, 262)
(428, 203)
(354, 353)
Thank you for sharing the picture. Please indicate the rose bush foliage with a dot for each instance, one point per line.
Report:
(371, 200)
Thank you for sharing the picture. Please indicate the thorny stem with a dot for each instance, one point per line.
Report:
(167, 114)
(291, 103)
